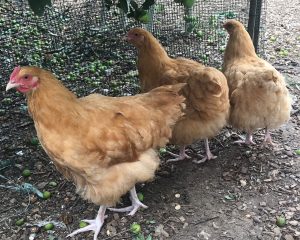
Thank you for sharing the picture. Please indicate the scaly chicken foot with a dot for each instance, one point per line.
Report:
(248, 140)
(268, 139)
(208, 154)
(182, 155)
(136, 204)
(94, 225)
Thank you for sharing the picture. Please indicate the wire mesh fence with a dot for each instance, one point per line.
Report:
(81, 41)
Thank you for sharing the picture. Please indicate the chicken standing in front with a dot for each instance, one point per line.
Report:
(206, 91)
(258, 94)
(104, 144)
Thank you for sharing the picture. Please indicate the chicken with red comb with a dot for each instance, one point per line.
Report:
(105, 145)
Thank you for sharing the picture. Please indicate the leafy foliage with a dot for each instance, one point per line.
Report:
(131, 8)
(186, 3)
(38, 6)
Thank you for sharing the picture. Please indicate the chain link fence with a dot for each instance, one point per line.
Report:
(81, 41)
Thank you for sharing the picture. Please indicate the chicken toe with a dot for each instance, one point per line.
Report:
(136, 204)
(182, 155)
(208, 155)
(268, 139)
(94, 225)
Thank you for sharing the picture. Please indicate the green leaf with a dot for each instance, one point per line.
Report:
(143, 16)
(229, 197)
(188, 3)
(230, 15)
(38, 6)
(147, 4)
(140, 236)
(149, 237)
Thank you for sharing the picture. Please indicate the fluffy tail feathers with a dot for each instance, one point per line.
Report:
(168, 105)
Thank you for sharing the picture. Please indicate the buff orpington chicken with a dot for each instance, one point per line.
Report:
(258, 94)
(105, 145)
(206, 91)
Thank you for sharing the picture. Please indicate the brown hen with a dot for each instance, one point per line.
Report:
(206, 91)
(258, 94)
(104, 144)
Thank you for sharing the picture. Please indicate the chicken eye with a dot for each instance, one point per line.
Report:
(26, 77)
(136, 34)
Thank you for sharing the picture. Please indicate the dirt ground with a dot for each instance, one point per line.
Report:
(236, 196)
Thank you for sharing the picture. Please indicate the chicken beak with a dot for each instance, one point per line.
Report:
(125, 38)
(11, 85)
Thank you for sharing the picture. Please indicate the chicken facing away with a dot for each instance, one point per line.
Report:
(258, 94)
(104, 144)
(206, 91)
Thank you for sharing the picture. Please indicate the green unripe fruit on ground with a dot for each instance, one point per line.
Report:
(46, 195)
(135, 228)
(82, 224)
(34, 141)
(52, 184)
(26, 173)
(20, 222)
(48, 226)
(280, 221)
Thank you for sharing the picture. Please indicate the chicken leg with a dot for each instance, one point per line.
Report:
(208, 154)
(136, 204)
(268, 138)
(182, 155)
(94, 225)
(247, 141)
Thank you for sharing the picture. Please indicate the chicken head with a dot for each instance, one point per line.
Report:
(232, 25)
(23, 81)
(137, 37)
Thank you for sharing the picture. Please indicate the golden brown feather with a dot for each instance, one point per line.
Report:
(104, 144)
(258, 93)
(206, 91)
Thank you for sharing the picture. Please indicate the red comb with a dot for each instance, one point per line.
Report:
(15, 72)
